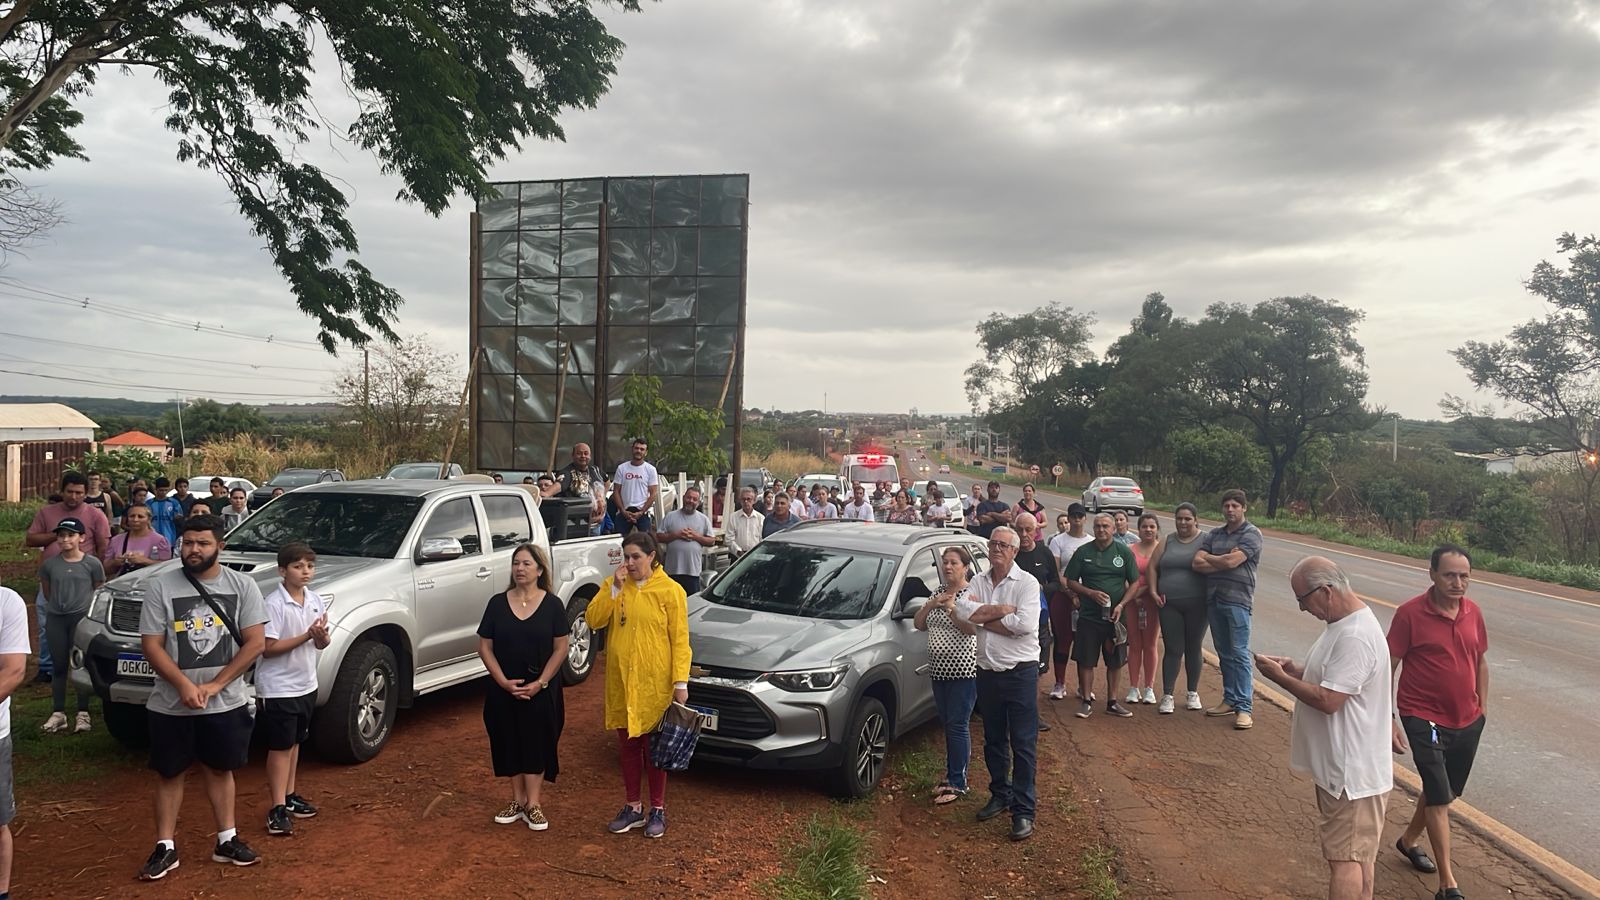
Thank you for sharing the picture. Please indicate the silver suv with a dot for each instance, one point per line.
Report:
(805, 655)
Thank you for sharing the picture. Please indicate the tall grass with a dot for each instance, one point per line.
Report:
(787, 464)
(245, 456)
(18, 516)
(828, 863)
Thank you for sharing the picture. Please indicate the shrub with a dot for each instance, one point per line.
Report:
(1507, 517)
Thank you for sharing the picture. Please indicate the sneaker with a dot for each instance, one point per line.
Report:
(1194, 701)
(278, 822)
(1133, 696)
(1059, 692)
(82, 724)
(1166, 706)
(657, 826)
(56, 724)
(1242, 721)
(299, 807)
(1085, 710)
(159, 864)
(1221, 709)
(235, 851)
(512, 813)
(627, 820)
(1117, 709)
(1149, 695)
(45, 678)
(536, 819)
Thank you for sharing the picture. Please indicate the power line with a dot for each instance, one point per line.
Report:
(79, 345)
(157, 387)
(161, 319)
(142, 371)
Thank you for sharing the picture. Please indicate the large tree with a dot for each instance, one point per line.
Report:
(444, 90)
(1017, 353)
(204, 420)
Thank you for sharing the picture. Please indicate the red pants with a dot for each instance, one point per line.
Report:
(635, 753)
(1061, 626)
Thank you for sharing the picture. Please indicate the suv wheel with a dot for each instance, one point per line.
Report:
(128, 723)
(866, 748)
(582, 646)
(355, 723)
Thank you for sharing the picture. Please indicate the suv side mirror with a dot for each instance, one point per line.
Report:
(440, 548)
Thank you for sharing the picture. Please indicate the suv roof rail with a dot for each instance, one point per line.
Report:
(928, 531)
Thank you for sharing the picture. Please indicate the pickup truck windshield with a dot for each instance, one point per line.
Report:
(420, 471)
(796, 580)
(293, 479)
(333, 524)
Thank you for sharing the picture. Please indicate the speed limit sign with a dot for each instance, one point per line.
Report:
(1033, 470)
(1058, 470)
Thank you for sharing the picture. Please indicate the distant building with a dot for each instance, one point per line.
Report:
(138, 440)
(43, 422)
(1523, 460)
(37, 441)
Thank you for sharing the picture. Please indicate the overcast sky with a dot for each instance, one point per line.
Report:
(915, 165)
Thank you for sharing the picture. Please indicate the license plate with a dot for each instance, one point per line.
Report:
(132, 665)
(708, 717)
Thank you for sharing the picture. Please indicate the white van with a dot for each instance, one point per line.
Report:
(869, 469)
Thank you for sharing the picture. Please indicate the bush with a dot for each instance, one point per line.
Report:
(18, 516)
(1507, 517)
(122, 466)
(1217, 459)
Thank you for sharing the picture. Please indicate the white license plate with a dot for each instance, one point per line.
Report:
(132, 665)
(708, 717)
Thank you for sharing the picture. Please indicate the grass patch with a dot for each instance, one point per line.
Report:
(828, 863)
(19, 564)
(1098, 882)
(18, 516)
(918, 769)
(60, 759)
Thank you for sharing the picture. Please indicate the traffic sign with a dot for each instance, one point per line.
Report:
(1033, 470)
(1058, 470)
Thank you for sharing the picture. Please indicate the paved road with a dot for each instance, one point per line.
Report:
(1538, 768)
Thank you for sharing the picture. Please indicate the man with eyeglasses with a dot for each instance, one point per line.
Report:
(1340, 735)
(1004, 607)
(1438, 642)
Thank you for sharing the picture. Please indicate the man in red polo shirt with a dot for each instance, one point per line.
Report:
(1438, 641)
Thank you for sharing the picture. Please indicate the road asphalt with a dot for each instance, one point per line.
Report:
(1538, 769)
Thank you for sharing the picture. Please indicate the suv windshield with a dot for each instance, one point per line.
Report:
(333, 524)
(293, 479)
(422, 471)
(797, 580)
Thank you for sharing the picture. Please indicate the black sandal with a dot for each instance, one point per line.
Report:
(1450, 893)
(1418, 856)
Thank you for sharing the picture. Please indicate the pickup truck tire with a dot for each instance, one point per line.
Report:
(127, 722)
(585, 643)
(865, 751)
(356, 721)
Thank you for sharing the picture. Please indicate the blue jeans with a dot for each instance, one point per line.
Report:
(954, 700)
(1009, 704)
(689, 583)
(46, 666)
(1230, 631)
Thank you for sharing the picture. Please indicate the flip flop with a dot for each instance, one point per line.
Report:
(1418, 856)
(945, 793)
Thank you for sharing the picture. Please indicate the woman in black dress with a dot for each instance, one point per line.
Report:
(522, 641)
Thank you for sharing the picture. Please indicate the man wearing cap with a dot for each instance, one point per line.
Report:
(42, 534)
(165, 511)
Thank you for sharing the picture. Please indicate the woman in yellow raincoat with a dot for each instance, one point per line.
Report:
(646, 615)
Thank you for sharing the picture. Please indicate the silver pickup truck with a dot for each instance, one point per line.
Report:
(407, 567)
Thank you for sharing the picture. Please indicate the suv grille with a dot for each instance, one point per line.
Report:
(739, 716)
(125, 614)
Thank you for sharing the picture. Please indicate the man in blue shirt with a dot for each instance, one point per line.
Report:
(991, 513)
(165, 511)
(1228, 557)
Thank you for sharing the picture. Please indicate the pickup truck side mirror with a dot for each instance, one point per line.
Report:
(440, 548)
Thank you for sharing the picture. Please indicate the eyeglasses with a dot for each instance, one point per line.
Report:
(1000, 545)
(1302, 598)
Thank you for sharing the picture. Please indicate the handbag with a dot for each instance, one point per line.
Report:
(672, 743)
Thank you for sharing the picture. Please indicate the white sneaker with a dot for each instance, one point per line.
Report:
(82, 725)
(1149, 695)
(1194, 701)
(1133, 696)
(1059, 692)
(1166, 704)
(56, 724)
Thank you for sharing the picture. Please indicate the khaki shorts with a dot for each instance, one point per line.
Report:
(1351, 830)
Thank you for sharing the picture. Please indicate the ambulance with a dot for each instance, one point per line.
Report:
(868, 469)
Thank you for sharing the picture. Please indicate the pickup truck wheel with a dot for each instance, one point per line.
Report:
(355, 723)
(582, 646)
(866, 748)
(128, 723)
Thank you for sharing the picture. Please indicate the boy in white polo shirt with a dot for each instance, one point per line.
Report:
(286, 680)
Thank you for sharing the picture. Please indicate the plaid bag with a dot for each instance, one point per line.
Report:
(672, 743)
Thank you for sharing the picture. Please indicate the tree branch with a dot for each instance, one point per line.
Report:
(19, 11)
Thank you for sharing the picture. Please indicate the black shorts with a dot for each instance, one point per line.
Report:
(219, 741)
(285, 722)
(1443, 757)
(1089, 644)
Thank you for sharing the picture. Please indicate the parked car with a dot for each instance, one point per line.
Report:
(406, 567)
(804, 482)
(1113, 492)
(805, 654)
(422, 471)
(758, 478)
(201, 484)
(289, 479)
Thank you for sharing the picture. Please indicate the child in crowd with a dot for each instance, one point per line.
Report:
(68, 581)
(286, 680)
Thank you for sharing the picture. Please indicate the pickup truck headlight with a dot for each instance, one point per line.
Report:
(808, 680)
(100, 606)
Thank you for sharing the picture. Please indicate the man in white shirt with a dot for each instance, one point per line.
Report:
(858, 507)
(1341, 733)
(1004, 605)
(636, 488)
(14, 649)
(744, 526)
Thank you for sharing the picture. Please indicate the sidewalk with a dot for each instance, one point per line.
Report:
(1199, 810)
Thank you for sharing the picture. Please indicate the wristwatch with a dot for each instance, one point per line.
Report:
(543, 685)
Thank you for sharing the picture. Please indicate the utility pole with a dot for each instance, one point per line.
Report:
(185, 447)
(1394, 448)
(366, 392)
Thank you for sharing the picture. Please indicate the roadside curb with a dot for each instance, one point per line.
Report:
(1564, 874)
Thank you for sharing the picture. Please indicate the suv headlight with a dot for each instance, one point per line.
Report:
(100, 606)
(808, 680)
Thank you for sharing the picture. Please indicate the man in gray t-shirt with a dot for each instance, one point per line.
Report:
(198, 708)
(684, 535)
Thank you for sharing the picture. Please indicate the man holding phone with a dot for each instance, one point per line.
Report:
(1340, 735)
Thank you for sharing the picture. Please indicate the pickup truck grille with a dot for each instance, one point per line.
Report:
(739, 716)
(125, 614)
